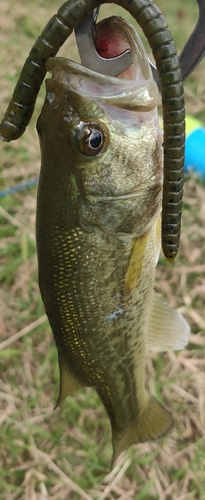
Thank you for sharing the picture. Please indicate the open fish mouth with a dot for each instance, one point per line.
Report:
(133, 89)
(112, 40)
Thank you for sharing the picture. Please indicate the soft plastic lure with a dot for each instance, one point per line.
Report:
(154, 26)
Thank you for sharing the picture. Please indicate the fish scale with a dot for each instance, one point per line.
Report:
(97, 240)
(74, 307)
(77, 319)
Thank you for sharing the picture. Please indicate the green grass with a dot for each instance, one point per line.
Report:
(66, 453)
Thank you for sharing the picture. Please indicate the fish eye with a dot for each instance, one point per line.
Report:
(93, 139)
(96, 139)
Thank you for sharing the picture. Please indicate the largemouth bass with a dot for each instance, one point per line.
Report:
(98, 235)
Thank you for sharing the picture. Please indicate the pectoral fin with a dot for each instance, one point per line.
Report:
(134, 270)
(68, 381)
(154, 423)
(137, 254)
(167, 329)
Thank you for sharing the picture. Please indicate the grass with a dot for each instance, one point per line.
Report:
(65, 454)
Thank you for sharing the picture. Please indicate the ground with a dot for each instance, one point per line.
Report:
(65, 454)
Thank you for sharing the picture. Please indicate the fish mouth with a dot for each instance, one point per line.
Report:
(134, 89)
(112, 40)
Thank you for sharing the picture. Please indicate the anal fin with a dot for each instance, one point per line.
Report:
(68, 381)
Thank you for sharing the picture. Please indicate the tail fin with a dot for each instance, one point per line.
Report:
(154, 423)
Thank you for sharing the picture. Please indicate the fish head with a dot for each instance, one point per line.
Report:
(103, 131)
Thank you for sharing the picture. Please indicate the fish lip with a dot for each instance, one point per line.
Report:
(119, 92)
(135, 90)
(56, 64)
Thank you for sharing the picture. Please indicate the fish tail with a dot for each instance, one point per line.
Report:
(154, 423)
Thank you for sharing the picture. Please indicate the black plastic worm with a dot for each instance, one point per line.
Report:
(149, 17)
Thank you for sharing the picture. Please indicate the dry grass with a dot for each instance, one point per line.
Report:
(66, 454)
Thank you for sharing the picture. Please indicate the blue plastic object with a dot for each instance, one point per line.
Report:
(195, 152)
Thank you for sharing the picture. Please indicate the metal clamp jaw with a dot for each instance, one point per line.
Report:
(85, 37)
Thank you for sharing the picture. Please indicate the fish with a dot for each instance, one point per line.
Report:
(98, 234)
